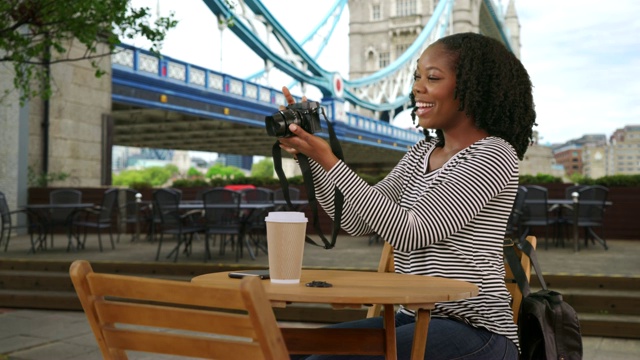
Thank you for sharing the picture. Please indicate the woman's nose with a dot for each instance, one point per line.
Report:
(417, 88)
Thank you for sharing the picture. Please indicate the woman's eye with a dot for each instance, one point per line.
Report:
(432, 78)
(416, 77)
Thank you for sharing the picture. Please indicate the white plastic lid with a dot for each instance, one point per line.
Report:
(286, 216)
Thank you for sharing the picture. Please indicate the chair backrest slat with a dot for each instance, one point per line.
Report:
(173, 317)
(231, 321)
(175, 344)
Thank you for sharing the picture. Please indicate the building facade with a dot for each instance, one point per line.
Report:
(623, 152)
(539, 159)
(381, 31)
(570, 157)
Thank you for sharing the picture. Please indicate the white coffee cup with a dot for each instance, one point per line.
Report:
(285, 239)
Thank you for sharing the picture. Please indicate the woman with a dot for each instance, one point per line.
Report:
(444, 207)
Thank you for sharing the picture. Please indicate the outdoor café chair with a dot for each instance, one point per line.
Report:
(33, 225)
(129, 313)
(591, 214)
(515, 217)
(256, 228)
(536, 212)
(62, 217)
(131, 212)
(166, 206)
(100, 217)
(223, 222)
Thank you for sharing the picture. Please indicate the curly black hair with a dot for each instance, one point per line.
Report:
(493, 87)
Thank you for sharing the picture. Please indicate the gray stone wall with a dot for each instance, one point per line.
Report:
(76, 107)
(9, 139)
(75, 133)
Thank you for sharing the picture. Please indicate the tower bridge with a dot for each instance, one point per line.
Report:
(170, 104)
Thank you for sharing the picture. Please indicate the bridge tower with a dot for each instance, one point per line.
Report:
(380, 31)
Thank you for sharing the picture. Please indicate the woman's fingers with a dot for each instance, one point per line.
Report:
(288, 96)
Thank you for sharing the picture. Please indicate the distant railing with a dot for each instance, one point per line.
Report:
(140, 61)
(144, 62)
(382, 128)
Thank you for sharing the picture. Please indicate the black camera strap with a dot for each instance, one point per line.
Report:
(303, 160)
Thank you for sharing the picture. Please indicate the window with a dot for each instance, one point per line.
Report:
(383, 60)
(400, 49)
(375, 12)
(405, 7)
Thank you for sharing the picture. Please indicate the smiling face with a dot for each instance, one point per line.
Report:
(434, 87)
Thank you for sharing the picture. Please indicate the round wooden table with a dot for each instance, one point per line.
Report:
(351, 289)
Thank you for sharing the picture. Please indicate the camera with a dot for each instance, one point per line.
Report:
(304, 114)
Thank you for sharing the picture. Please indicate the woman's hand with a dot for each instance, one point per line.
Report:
(305, 143)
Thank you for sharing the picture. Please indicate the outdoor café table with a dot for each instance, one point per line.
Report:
(572, 204)
(248, 207)
(353, 289)
(297, 204)
(42, 212)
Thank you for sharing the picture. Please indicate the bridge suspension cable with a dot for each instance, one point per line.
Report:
(384, 90)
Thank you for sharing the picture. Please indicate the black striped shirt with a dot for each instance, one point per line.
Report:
(448, 223)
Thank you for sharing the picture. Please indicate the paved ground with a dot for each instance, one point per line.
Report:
(34, 334)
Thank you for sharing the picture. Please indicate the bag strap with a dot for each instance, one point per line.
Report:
(516, 266)
(305, 167)
(526, 248)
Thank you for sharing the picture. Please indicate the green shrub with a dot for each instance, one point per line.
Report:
(217, 182)
(193, 172)
(295, 180)
(196, 182)
(539, 179)
(618, 181)
(138, 185)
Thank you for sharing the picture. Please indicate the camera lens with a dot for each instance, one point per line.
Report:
(278, 124)
(274, 124)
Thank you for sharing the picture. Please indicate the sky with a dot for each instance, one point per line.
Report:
(583, 56)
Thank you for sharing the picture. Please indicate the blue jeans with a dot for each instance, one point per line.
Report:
(447, 339)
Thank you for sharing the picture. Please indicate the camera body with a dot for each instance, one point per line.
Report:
(305, 114)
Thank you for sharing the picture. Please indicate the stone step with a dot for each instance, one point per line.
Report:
(608, 325)
(33, 299)
(624, 302)
(599, 282)
(35, 280)
(607, 306)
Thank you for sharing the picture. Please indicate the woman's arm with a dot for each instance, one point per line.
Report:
(390, 187)
(463, 189)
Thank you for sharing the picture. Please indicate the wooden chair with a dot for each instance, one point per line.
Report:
(234, 321)
(510, 281)
(386, 265)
